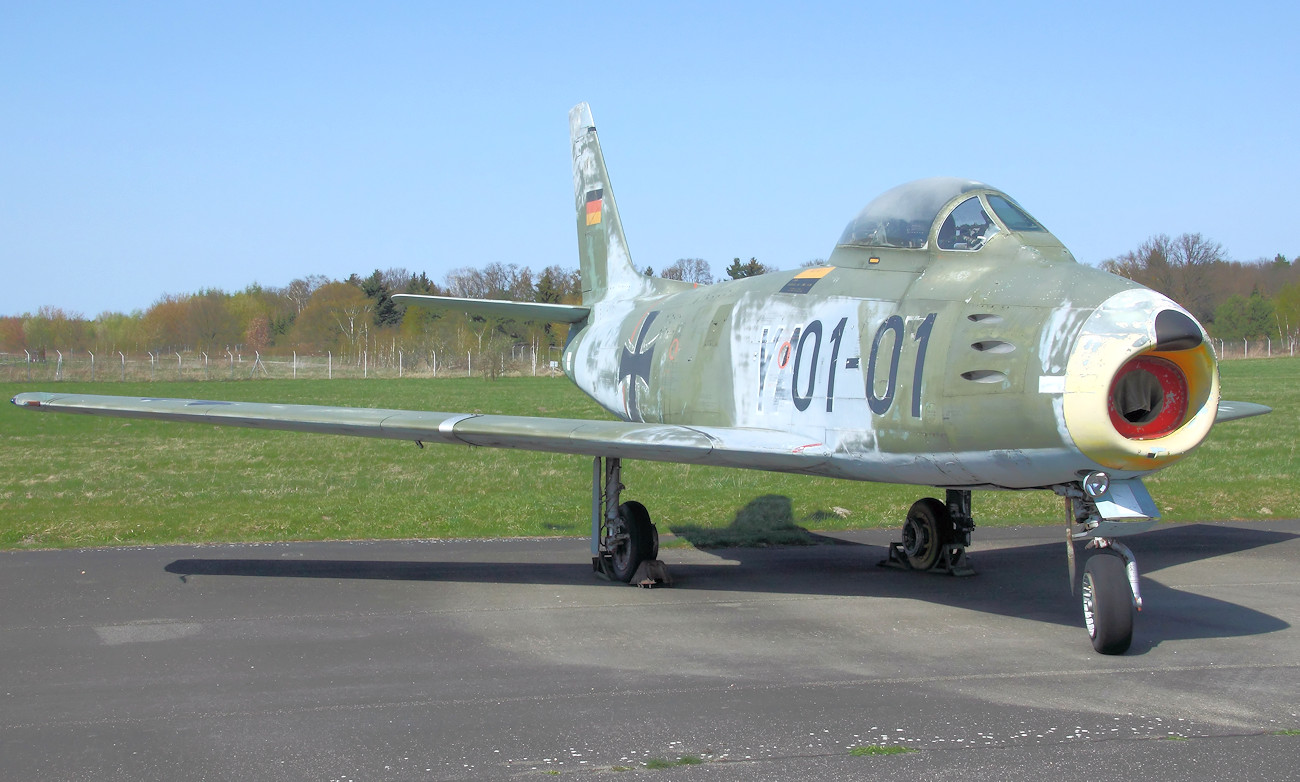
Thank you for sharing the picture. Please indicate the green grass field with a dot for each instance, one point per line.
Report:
(83, 481)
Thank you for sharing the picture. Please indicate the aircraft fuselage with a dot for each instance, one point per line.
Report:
(933, 367)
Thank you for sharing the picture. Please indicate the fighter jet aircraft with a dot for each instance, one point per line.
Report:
(949, 341)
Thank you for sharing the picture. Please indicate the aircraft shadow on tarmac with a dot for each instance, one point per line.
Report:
(1025, 581)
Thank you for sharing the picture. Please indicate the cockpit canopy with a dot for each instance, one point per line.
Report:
(905, 217)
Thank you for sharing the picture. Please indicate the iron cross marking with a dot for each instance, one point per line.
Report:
(636, 366)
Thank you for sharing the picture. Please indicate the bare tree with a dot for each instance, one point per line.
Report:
(1179, 268)
(299, 291)
(694, 270)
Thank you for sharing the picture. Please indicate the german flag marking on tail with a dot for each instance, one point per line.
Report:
(594, 201)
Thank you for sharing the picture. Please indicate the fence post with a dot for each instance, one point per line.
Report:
(1245, 348)
(123, 355)
(331, 364)
(29, 365)
(1270, 346)
(399, 364)
(435, 363)
(153, 364)
(92, 366)
(58, 369)
(178, 366)
(295, 365)
(469, 364)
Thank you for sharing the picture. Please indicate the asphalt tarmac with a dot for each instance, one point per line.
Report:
(441, 660)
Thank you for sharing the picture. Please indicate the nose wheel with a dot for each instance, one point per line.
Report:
(1107, 604)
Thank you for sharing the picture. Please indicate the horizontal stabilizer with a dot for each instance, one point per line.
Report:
(1231, 411)
(761, 449)
(498, 308)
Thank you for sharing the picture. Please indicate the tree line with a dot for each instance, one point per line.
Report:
(349, 318)
(357, 316)
(1234, 299)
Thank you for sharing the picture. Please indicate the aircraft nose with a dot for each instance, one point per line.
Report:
(1142, 387)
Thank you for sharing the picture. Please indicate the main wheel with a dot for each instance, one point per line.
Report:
(1107, 604)
(635, 540)
(925, 532)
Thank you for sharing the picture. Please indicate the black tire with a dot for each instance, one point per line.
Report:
(926, 531)
(641, 544)
(642, 516)
(1107, 604)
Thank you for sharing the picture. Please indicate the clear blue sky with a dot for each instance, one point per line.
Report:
(153, 148)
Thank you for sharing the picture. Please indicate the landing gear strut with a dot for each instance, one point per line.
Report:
(935, 536)
(1110, 588)
(622, 535)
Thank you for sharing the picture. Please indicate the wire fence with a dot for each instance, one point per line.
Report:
(1263, 347)
(57, 365)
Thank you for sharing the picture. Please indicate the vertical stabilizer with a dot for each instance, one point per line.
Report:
(606, 264)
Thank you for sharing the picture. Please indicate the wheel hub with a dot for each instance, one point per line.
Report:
(1089, 605)
(916, 538)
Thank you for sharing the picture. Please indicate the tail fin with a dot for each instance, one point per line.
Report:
(606, 264)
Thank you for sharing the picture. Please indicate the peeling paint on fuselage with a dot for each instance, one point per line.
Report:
(902, 362)
(727, 355)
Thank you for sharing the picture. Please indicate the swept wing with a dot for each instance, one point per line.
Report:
(722, 446)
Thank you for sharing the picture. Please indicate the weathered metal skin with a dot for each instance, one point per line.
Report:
(949, 341)
(984, 367)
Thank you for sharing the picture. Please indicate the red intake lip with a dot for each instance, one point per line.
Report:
(1148, 398)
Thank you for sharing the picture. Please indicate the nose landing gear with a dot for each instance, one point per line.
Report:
(1110, 588)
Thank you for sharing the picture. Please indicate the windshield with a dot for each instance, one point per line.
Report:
(1012, 216)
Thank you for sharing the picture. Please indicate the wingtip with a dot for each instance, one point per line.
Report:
(1235, 411)
(26, 400)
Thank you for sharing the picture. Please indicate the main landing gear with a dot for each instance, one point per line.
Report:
(1110, 591)
(935, 536)
(624, 542)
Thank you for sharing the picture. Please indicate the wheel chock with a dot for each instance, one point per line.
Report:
(952, 561)
(603, 567)
(652, 573)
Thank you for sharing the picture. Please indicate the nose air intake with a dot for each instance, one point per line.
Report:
(1142, 388)
(1148, 398)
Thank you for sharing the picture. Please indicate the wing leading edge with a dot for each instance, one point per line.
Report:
(725, 447)
(1233, 411)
